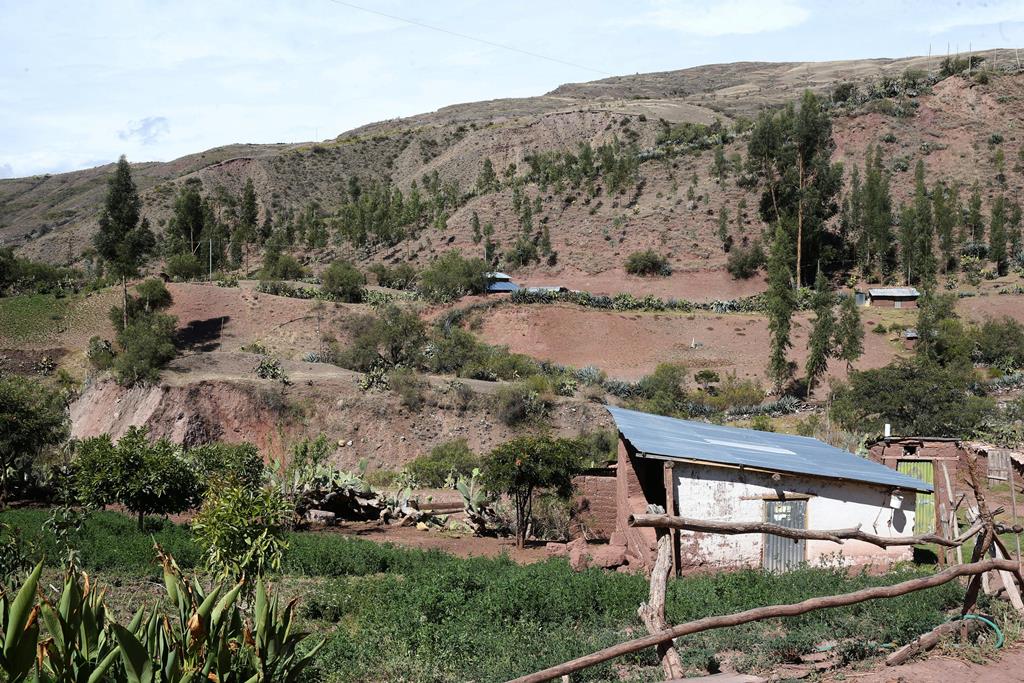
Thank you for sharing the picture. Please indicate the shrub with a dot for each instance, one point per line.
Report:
(744, 261)
(1000, 342)
(451, 276)
(445, 463)
(147, 345)
(277, 266)
(400, 276)
(646, 263)
(342, 281)
(147, 478)
(153, 295)
(523, 252)
(184, 266)
(241, 530)
(395, 337)
(518, 403)
(407, 384)
(663, 392)
(100, 354)
(33, 419)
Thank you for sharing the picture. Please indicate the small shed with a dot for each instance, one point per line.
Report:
(500, 283)
(910, 337)
(718, 473)
(893, 297)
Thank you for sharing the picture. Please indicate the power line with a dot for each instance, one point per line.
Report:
(464, 36)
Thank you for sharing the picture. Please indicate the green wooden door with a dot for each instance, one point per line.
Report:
(924, 514)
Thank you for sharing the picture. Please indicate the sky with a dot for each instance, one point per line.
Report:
(84, 81)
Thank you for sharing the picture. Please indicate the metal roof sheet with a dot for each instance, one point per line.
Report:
(671, 438)
(503, 287)
(498, 275)
(894, 291)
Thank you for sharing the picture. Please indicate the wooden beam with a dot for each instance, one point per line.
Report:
(769, 612)
(652, 613)
(833, 535)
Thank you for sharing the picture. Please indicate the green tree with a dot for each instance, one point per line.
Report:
(974, 226)
(241, 530)
(849, 339)
(122, 241)
(819, 343)
(942, 339)
(780, 302)
(944, 211)
(146, 345)
(33, 418)
(1013, 231)
(520, 467)
(916, 399)
(487, 181)
(451, 276)
(445, 463)
(720, 166)
(248, 213)
(474, 224)
(997, 250)
(343, 282)
(790, 152)
(876, 215)
(147, 478)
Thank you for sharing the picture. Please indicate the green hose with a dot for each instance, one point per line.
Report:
(1000, 639)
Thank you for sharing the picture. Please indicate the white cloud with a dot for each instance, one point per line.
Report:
(723, 18)
(148, 131)
(6, 171)
(985, 13)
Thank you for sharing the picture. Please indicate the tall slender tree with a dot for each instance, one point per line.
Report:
(820, 341)
(997, 235)
(974, 226)
(849, 340)
(122, 241)
(944, 215)
(780, 301)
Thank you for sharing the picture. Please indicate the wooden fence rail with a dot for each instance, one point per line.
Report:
(769, 612)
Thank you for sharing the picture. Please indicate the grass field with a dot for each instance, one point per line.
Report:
(398, 614)
(32, 317)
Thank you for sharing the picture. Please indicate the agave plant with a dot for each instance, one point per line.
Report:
(79, 647)
(19, 628)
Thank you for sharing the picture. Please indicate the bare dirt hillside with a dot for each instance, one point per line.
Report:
(216, 396)
(950, 127)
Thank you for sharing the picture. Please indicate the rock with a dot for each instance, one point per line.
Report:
(617, 538)
(579, 554)
(608, 556)
(320, 517)
(422, 526)
(556, 550)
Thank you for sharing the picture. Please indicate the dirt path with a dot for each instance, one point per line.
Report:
(1009, 668)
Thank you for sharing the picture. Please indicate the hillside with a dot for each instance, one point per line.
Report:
(949, 125)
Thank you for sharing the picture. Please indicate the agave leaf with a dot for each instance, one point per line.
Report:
(100, 672)
(18, 618)
(137, 664)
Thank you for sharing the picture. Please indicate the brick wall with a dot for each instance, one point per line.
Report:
(595, 504)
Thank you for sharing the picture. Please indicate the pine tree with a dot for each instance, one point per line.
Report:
(945, 223)
(780, 301)
(997, 235)
(122, 241)
(974, 226)
(1014, 231)
(819, 343)
(487, 181)
(720, 167)
(248, 212)
(474, 223)
(849, 340)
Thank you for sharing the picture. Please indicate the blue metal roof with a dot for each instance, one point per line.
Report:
(503, 287)
(667, 437)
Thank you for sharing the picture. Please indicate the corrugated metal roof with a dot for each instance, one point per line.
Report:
(503, 287)
(498, 275)
(670, 438)
(894, 291)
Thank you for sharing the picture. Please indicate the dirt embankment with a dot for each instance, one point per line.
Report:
(214, 396)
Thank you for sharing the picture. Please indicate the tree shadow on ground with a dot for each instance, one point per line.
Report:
(201, 335)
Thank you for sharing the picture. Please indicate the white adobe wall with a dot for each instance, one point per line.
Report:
(725, 494)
